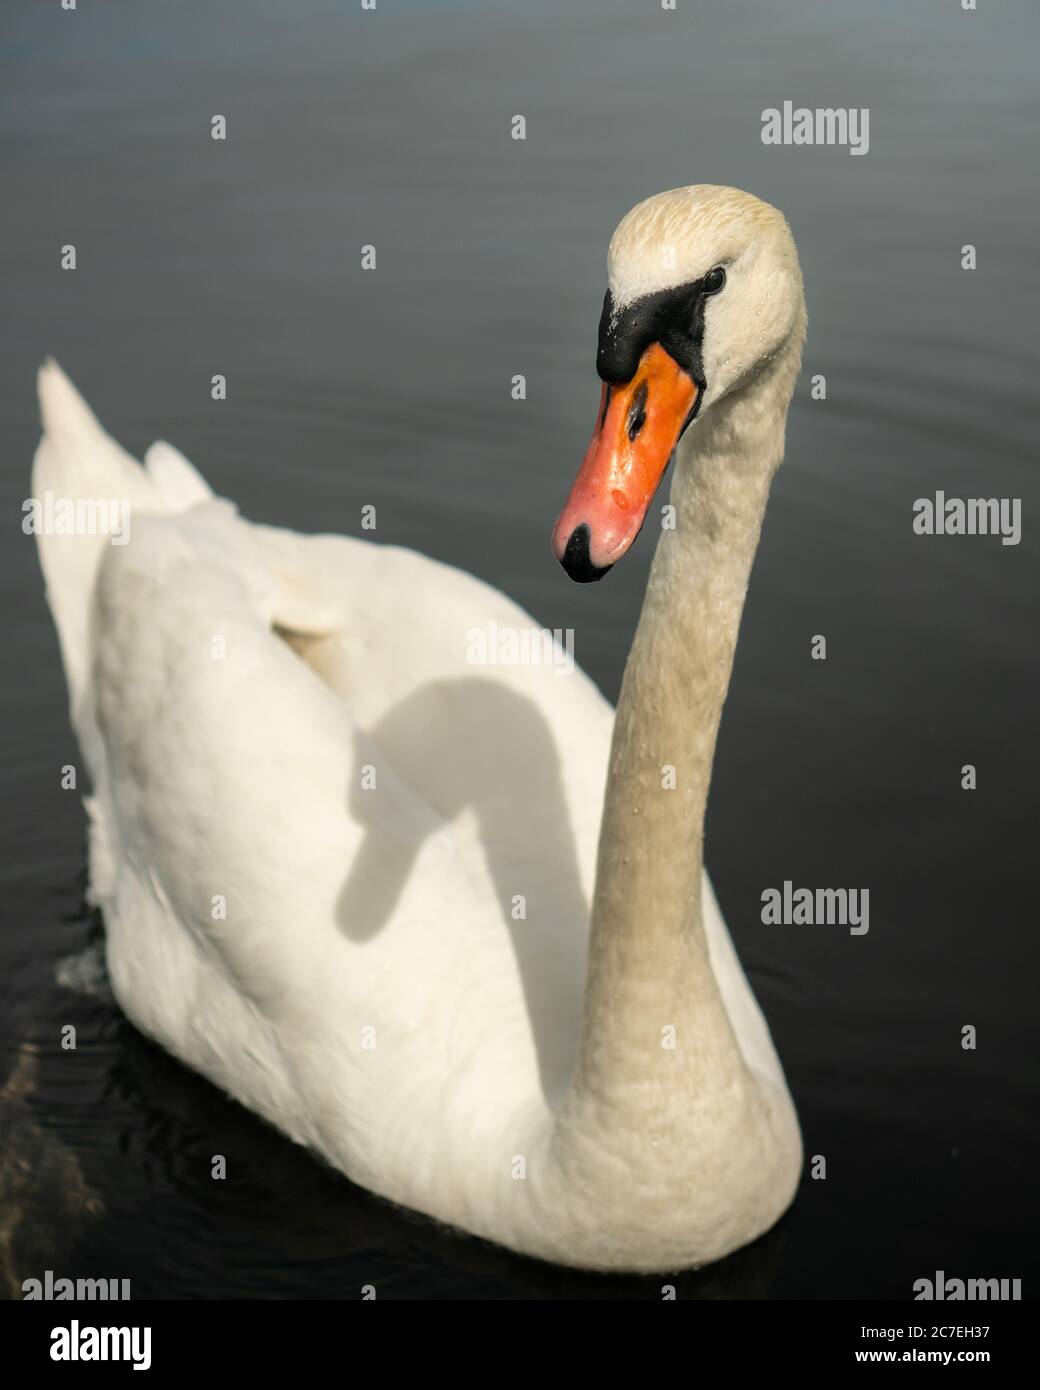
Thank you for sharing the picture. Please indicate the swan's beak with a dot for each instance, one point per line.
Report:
(637, 429)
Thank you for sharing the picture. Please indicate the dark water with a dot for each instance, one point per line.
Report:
(392, 388)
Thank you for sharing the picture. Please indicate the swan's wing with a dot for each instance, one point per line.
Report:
(179, 483)
(745, 1015)
(289, 873)
(434, 614)
(385, 621)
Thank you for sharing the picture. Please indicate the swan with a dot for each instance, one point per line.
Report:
(447, 924)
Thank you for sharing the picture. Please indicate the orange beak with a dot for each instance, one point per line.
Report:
(638, 427)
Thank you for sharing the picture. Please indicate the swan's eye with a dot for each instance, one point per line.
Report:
(714, 280)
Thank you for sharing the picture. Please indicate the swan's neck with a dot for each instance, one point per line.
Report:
(648, 964)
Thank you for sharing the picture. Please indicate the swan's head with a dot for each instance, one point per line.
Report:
(705, 291)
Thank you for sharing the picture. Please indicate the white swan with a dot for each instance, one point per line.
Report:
(350, 960)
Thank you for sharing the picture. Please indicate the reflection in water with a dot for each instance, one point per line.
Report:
(44, 1199)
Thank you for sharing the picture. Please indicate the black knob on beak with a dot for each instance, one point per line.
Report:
(575, 558)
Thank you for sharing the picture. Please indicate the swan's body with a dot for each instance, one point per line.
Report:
(348, 960)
